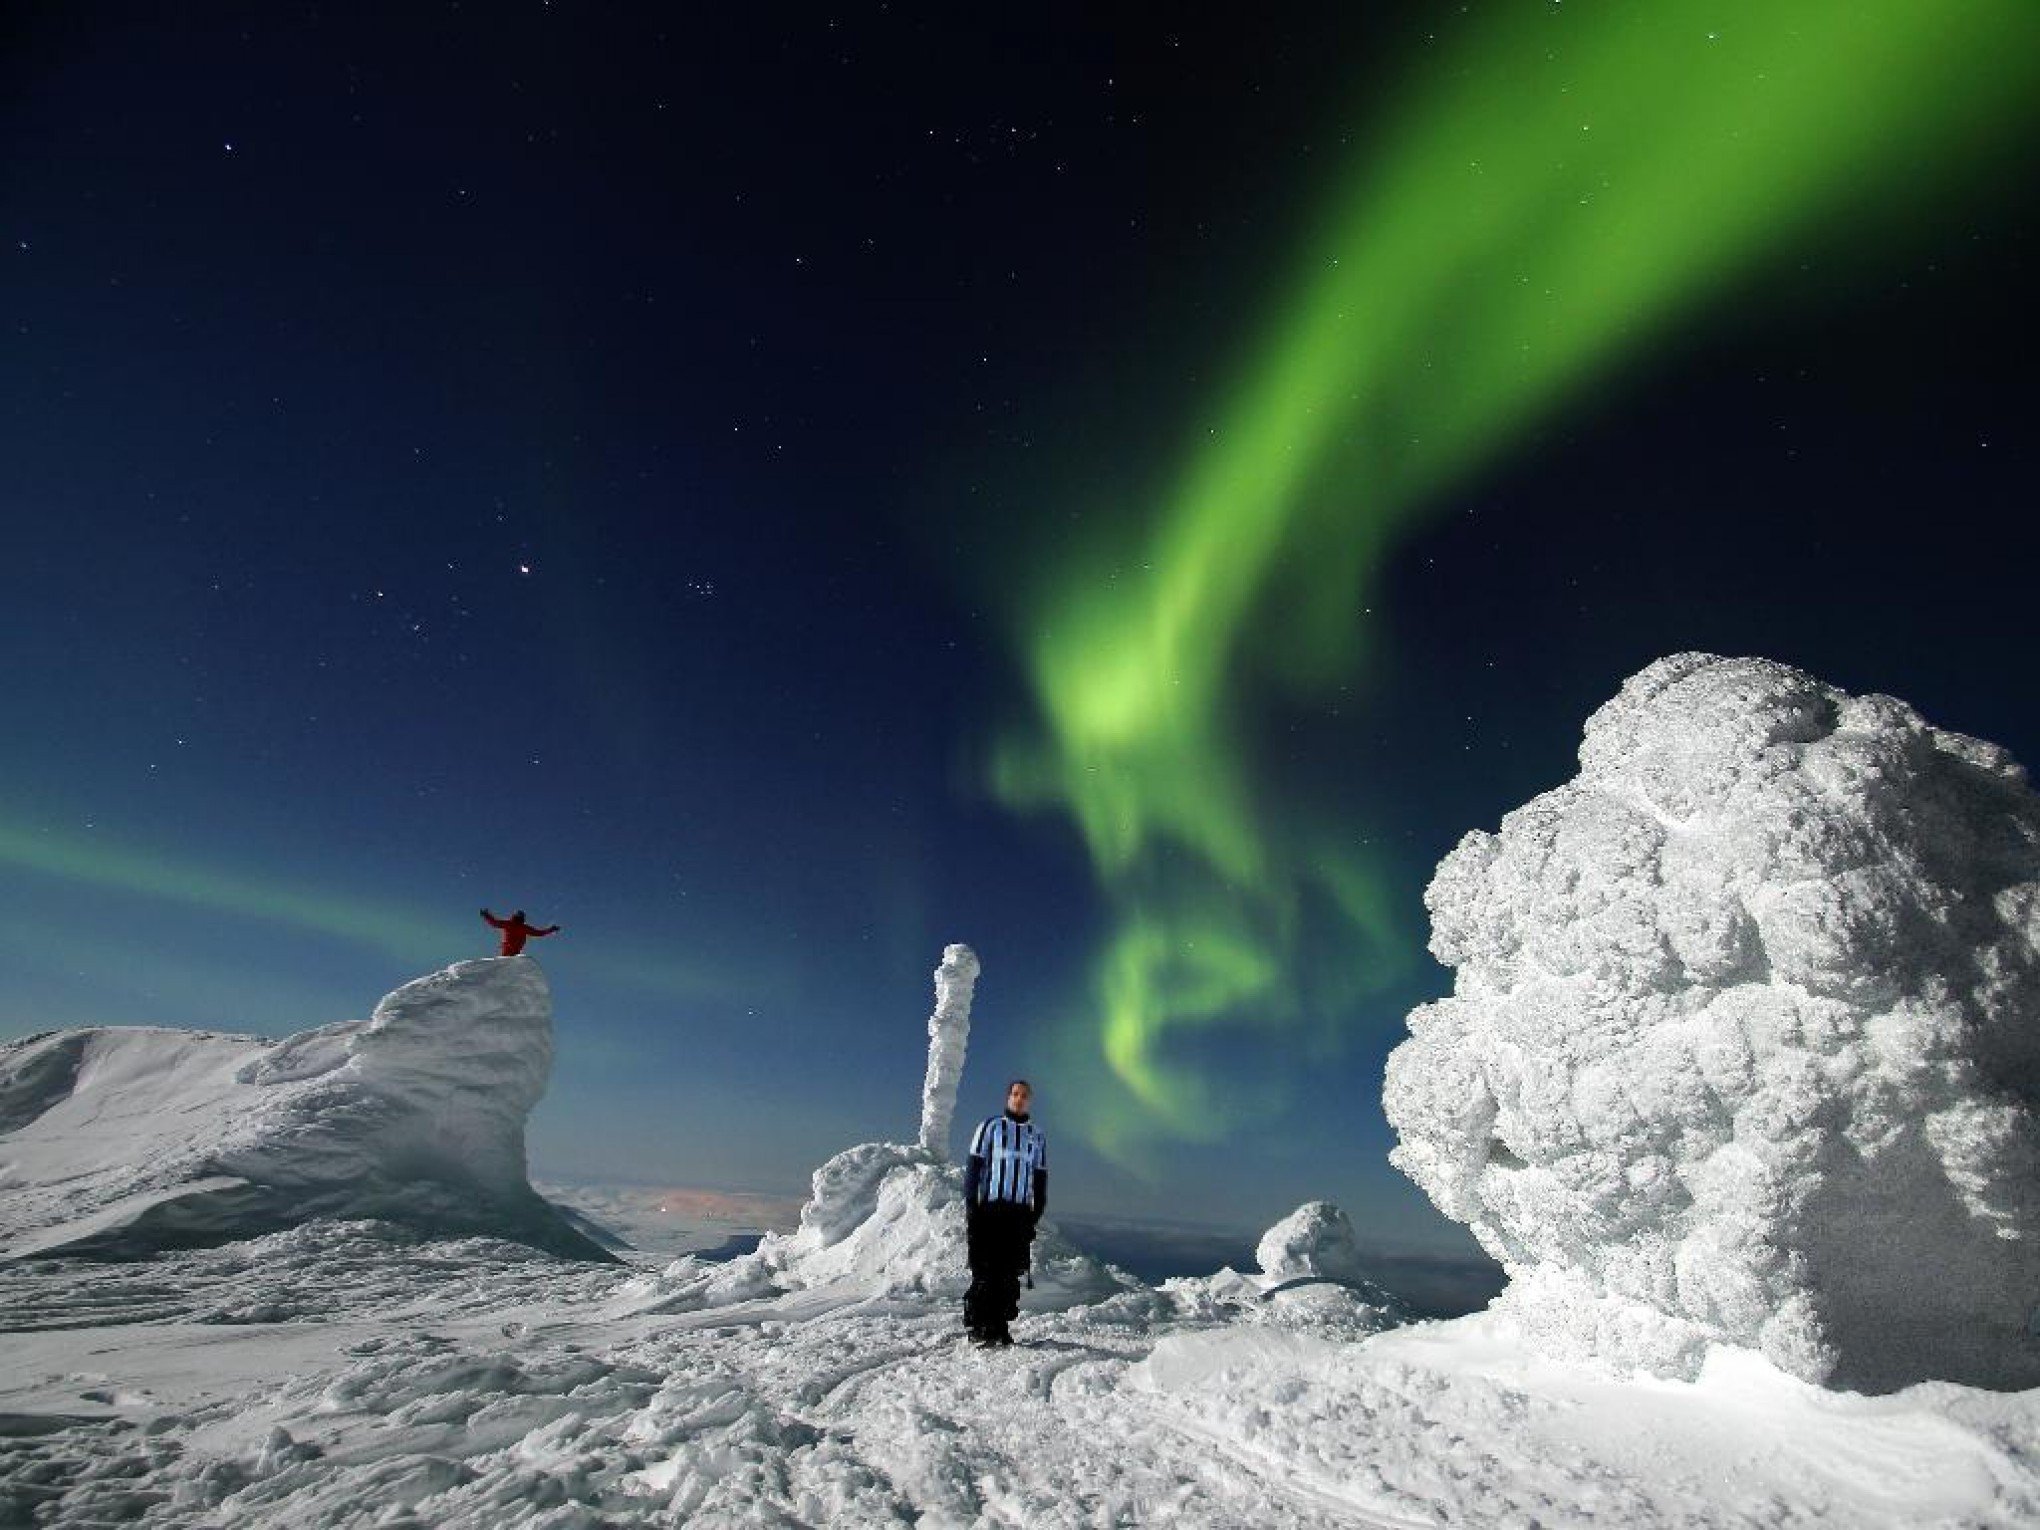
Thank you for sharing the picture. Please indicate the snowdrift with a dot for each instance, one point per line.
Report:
(1312, 1279)
(338, 1374)
(120, 1141)
(884, 1223)
(1744, 1044)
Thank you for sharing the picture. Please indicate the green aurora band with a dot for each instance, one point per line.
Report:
(94, 861)
(1550, 194)
(411, 938)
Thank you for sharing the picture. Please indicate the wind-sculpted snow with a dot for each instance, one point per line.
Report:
(948, 1040)
(1744, 1046)
(1316, 1240)
(123, 1140)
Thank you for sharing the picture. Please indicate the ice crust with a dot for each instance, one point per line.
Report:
(1744, 1043)
(119, 1141)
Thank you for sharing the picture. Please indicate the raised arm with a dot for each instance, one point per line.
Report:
(492, 919)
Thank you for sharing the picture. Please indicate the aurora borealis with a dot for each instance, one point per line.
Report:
(1542, 204)
(775, 494)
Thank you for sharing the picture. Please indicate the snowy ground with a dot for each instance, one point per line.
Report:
(357, 1374)
(384, 1364)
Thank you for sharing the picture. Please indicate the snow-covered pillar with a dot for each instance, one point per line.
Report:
(948, 1031)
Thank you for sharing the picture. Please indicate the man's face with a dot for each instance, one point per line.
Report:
(1017, 1099)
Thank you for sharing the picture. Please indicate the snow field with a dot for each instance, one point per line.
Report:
(480, 1384)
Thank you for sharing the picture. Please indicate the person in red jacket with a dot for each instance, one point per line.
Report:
(514, 930)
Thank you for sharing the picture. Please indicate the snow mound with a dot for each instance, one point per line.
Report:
(1742, 1045)
(1311, 1279)
(885, 1222)
(1329, 1309)
(120, 1141)
(1465, 1423)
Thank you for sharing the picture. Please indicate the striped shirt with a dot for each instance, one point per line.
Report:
(1012, 1152)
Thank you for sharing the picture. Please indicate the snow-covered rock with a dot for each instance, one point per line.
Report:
(123, 1140)
(1744, 1046)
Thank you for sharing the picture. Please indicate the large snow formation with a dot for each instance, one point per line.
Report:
(1744, 1045)
(123, 1140)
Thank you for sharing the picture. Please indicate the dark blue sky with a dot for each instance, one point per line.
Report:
(553, 456)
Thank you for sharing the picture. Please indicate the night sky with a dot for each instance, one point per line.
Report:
(778, 492)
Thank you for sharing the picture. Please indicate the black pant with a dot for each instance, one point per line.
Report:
(1001, 1236)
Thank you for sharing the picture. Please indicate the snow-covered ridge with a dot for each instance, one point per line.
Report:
(124, 1140)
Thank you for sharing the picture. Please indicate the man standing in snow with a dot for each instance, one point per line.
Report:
(1005, 1191)
(515, 929)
